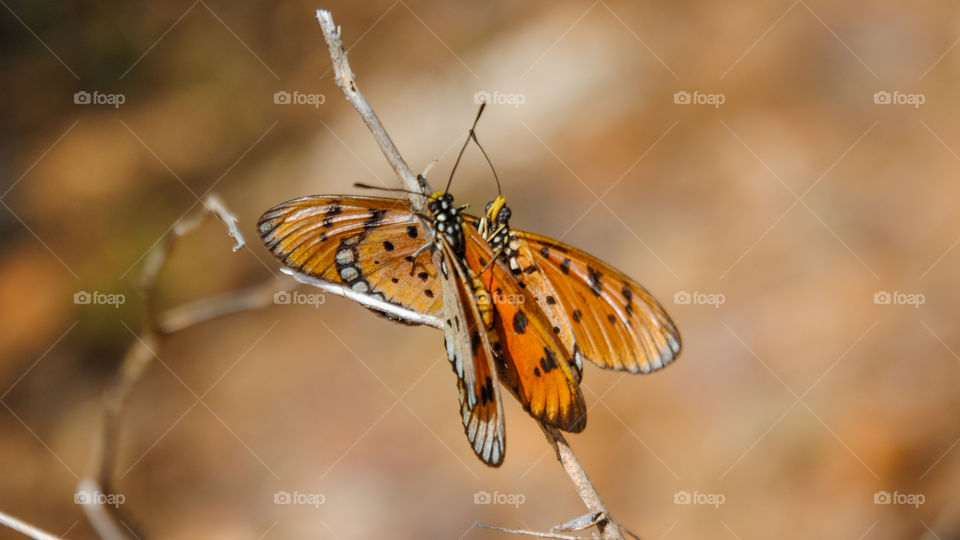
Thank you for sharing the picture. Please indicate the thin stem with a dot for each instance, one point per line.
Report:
(108, 520)
(343, 76)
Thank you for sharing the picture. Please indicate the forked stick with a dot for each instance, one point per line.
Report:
(343, 76)
(108, 520)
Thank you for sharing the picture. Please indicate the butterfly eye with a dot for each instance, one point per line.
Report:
(504, 215)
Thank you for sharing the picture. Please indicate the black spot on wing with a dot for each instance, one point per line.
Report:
(544, 251)
(412, 231)
(475, 341)
(423, 276)
(596, 280)
(520, 322)
(565, 265)
(376, 216)
(486, 391)
(577, 315)
(429, 293)
(388, 245)
(612, 319)
(551, 300)
(549, 360)
(536, 371)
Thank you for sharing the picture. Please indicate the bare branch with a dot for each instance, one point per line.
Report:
(343, 75)
(588, 494)
(215, 205)
(108, 520)
(25, 528)
(524, 532)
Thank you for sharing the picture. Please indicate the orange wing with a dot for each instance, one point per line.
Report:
(471, 349)
(362, 248)
(614, 321)
(535, 366)
(359, 247)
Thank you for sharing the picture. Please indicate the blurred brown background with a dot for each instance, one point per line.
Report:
(797, 401)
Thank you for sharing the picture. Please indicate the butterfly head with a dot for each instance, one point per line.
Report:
(447, 221)
(497, 211)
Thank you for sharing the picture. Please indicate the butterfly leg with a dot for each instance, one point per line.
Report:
(492, 260)
(415, 254)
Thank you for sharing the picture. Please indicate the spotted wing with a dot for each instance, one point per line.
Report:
(358, 247)
(615, 322)
(471, 351)
(536, 366)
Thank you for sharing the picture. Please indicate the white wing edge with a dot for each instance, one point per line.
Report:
(365, 300)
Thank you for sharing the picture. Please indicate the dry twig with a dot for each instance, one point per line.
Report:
(108, 520)
(343, 76)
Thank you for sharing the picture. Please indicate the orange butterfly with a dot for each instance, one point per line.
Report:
(367, 248)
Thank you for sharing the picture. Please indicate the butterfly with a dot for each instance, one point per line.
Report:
(367, 249)
(598, 312)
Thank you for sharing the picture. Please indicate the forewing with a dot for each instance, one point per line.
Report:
(616, 323)
(471, 353)
(536, 366)
(360, 247)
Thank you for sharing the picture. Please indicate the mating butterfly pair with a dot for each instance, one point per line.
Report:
(515, 307)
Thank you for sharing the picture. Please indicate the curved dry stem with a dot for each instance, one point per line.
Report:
(24, 528)
(108, 521)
